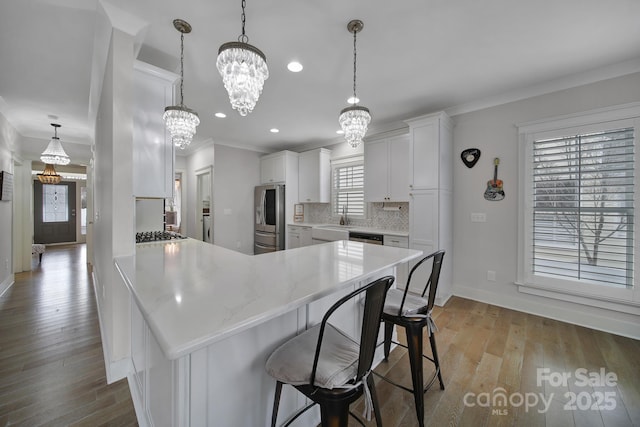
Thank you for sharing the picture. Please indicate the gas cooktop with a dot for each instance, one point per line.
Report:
(157, 236)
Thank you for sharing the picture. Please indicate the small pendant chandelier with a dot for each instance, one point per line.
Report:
(54, 153)
(355, 118)
(243, 68)
(181, 122)
(49, 175)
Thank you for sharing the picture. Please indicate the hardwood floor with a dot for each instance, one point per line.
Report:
(52, 367)
(483, 348)
(51, 362)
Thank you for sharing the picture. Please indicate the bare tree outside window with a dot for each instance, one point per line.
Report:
(583, 206)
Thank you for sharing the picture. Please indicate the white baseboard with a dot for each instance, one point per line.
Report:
(570, 313)
(115, 370)
(6, 284)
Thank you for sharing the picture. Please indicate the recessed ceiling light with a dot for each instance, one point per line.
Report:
(274, 130)
(353, 100)
(294, 66)
(220, 115)
(339, 131)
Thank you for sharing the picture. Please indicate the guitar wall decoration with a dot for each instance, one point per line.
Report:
(494, 191)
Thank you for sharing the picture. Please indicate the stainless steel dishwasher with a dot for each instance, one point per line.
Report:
(373, 238)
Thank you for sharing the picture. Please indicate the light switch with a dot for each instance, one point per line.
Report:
(227, 211)
(478, 217)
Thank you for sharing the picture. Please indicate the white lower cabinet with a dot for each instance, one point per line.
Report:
(402, 271)
(225, 383)
(153, 386)
(431, 230)
(299, 236)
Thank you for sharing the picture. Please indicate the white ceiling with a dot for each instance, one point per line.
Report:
(414, 57)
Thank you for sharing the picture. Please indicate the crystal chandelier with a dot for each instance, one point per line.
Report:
(181, 122)
(243, 68)
(355, 118)
(49, 175)
(55, 154)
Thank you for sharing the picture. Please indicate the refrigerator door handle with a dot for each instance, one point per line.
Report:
(263, 198)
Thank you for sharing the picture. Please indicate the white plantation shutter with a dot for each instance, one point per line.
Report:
(583, 207)
(348, 189)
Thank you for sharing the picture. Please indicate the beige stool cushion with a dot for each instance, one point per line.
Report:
(292, 362)
(412, 305)
(37, 248)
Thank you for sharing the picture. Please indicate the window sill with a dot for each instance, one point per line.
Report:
(623, 300)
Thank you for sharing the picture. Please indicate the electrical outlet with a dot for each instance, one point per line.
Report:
(6, 264)
(491, 275)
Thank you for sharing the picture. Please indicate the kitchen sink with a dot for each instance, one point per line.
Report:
(336, 227)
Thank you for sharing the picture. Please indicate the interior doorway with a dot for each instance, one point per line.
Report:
(54, 216)
(204, 205)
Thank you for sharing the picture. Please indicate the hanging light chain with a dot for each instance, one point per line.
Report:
(354, 66)
(181, 68)
(243, 37)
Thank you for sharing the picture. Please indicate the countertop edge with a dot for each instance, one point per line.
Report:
(125, 263)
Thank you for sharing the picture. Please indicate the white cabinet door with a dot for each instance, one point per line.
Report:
(376, 171)
(386, 170)
(423, 226)
(273, 168)
(314, 171)
(425, 155)
(153, 152)
(399, 166)
(305, 236)
(294, 237)
(402, 270)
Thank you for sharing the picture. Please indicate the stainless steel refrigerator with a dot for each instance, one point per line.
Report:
(269, 226)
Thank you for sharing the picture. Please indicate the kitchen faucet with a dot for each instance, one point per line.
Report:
(344, 220)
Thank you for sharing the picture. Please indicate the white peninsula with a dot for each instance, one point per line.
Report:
(205, 319)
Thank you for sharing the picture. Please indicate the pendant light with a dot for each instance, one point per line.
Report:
(181, 122)
(243, 68)
(355, 118)
(49, 175)
(54, 153)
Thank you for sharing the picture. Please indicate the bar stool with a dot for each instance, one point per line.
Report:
(413, 313)
(329, 367)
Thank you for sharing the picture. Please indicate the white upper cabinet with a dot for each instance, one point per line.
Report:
(314, 176)
(273, 168)
(431, 152)
(386, 169)
(153, 152)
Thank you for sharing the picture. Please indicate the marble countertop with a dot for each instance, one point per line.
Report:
(354, 228)
(192, 294)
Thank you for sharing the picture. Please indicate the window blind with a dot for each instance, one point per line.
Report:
(348, 190)
(583, 212)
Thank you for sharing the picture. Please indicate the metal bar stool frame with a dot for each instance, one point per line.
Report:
(414, 324)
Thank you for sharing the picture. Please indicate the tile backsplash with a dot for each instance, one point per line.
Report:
(377, 216)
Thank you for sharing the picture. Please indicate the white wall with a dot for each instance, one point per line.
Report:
(8, 144)
(114, 201)
(236, 172)
(479, 247)
(201, 159)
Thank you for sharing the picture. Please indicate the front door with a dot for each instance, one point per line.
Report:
(54, 217)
